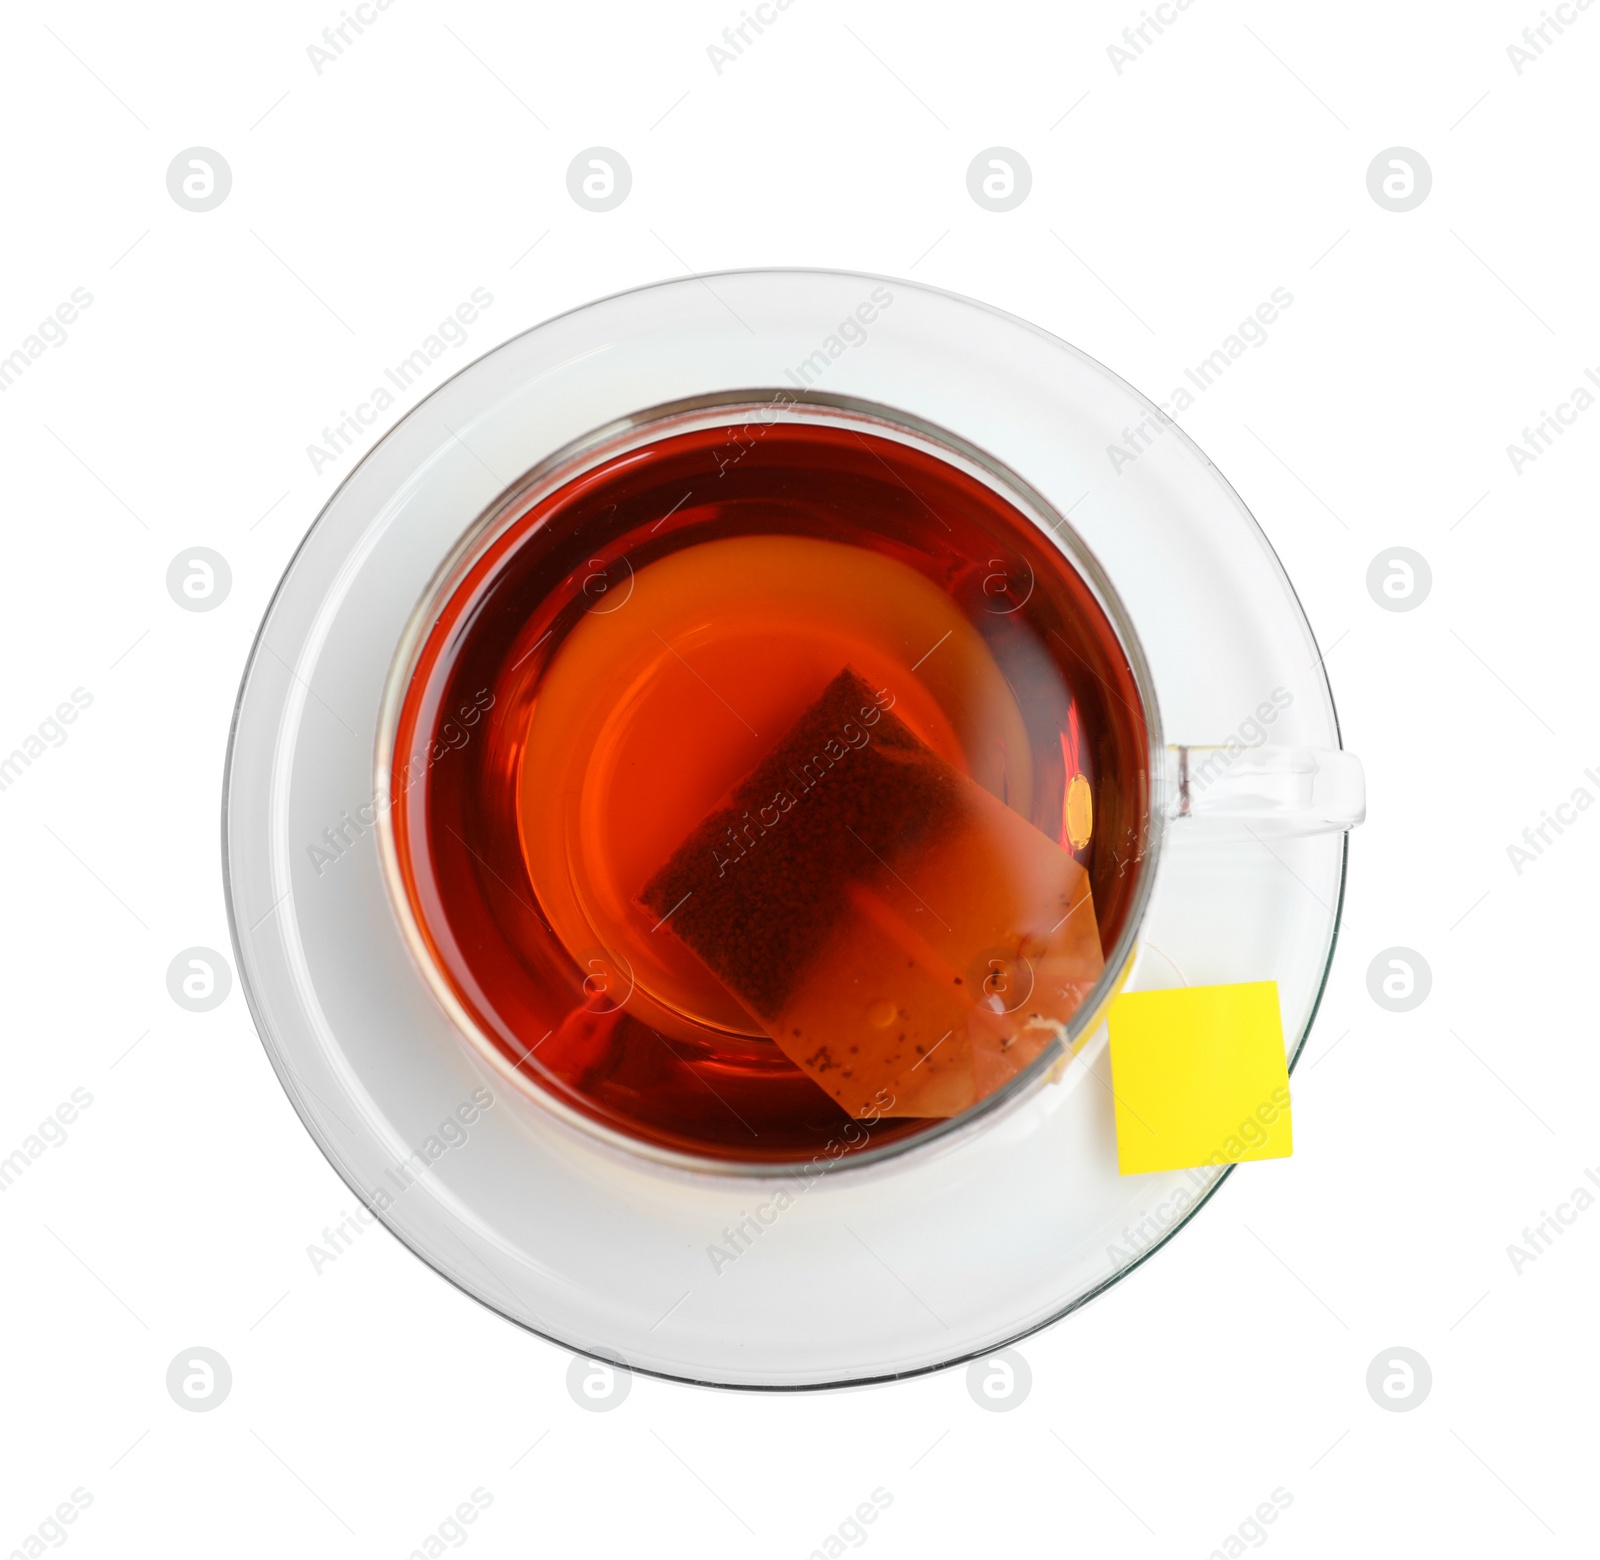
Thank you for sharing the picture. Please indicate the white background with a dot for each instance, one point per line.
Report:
(1168, 201)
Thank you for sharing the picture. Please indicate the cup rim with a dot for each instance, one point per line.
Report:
(685, 414)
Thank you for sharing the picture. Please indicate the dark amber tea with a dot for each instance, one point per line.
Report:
(770, 790)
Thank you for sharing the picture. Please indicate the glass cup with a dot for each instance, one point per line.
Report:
(843, 1267)
(488, 961)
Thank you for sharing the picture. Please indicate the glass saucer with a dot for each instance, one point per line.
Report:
(931, 1256)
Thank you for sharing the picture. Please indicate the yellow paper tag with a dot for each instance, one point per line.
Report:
(1199, 1077)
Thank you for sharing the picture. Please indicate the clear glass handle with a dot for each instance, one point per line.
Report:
(1266, 790)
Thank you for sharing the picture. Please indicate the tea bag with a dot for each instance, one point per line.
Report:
(903, 935)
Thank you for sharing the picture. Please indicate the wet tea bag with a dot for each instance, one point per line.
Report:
(903, 935)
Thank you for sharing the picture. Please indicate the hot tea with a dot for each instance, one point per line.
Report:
(802, 796)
